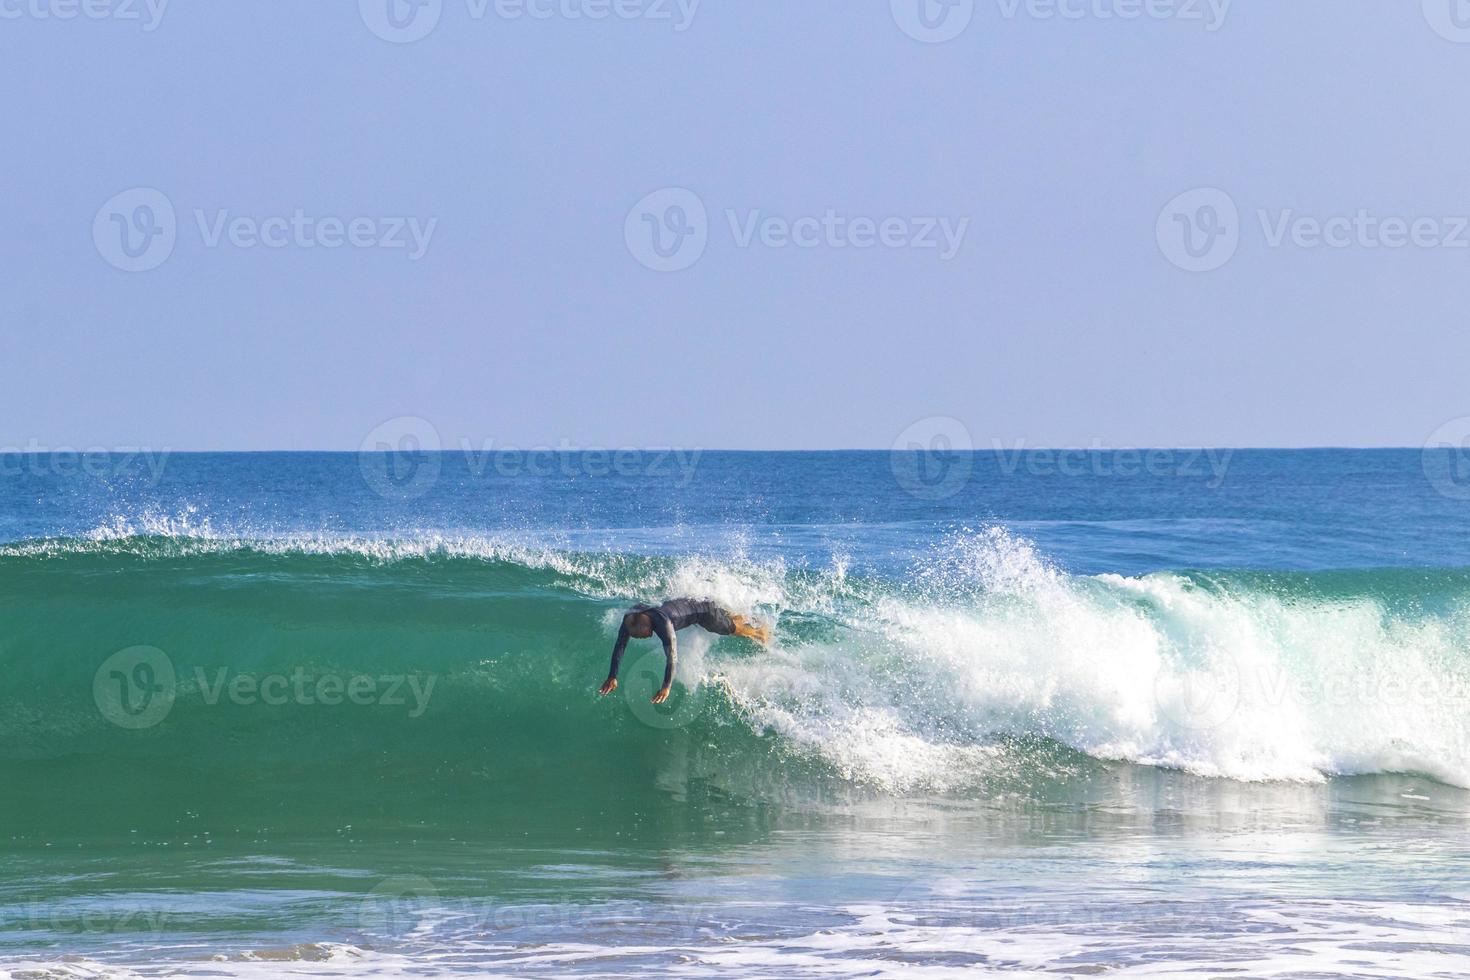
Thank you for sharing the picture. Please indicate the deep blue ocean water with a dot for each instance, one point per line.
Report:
(1089, 510)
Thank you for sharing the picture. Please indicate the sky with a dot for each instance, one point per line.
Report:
(756, 225)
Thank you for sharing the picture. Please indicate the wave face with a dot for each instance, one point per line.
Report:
(371, 672)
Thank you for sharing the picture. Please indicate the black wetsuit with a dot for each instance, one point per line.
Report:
(667, 619)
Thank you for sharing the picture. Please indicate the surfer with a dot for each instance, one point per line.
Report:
(643, 621)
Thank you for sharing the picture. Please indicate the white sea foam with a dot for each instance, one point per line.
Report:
(992, 641)
(929, 936)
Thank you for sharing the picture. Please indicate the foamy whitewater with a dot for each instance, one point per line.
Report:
(1041, 724)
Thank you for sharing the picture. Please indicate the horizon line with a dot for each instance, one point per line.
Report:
(542, 448)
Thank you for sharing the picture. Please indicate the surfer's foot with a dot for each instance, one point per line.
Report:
(661, 696)
(751, 631)
(610, 686)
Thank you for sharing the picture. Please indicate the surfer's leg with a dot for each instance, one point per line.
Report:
(724, 623)
(716, 620)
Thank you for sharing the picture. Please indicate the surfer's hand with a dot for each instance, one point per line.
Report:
(661, 696)
(609, 686)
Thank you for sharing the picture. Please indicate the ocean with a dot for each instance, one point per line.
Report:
(1031, 713)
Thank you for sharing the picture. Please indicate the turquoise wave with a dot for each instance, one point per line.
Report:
(318, 680)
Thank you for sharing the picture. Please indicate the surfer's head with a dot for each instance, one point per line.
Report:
(638, 624)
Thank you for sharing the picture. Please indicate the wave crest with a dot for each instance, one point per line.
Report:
(955, 676)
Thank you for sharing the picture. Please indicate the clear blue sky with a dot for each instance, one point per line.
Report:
(528, 319)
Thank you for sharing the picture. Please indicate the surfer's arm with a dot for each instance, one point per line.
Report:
(611, 683)
(671, 651)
